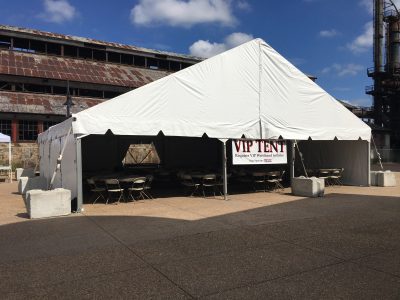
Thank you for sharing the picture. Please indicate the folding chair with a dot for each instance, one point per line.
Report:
(147, 186)
(137, 188)
(324, 174)
(96, 190)
(258, 179)
(276, 180)
(113, 187)
(209, 181)
(188, 182)
(336, 176)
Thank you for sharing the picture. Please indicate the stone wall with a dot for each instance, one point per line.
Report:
(24, 155)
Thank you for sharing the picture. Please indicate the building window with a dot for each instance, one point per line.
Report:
(27, 130)
(48, 124)
(5, 127)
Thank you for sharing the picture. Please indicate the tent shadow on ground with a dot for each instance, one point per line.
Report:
(198, 255)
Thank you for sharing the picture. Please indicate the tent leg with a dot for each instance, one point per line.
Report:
(292, 160)
(79, 175)
(369, 163)
(9, 161)
(224, 168)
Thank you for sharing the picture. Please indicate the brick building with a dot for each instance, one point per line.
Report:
(36, 68)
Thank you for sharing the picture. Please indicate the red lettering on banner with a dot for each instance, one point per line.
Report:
(281, 146)
(274, 146)
(259, 145)
(266, 147)
(249, 145)
(237, 145)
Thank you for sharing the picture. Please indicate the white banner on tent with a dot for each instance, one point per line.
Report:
(258, 152)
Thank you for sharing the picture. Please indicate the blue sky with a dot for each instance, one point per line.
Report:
(329, 39)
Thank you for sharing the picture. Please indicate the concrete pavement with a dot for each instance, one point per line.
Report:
(254, 246)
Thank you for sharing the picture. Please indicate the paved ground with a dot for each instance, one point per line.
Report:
(255, 246)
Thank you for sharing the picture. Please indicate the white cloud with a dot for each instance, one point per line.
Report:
(364, 41)
(328, 33)
(207, 49)
(58, 11)
(243, 5)
(343, 70)
(368, 5)
(182, 13)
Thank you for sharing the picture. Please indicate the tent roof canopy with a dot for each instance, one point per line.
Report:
(5, 138)
(250, 90)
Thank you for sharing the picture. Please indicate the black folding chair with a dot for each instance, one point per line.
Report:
(209, 182)
(114, 188)
(137, 188)
(147, 186)
(96, 190)
(276, 180)
(259, 180)
(335, 178)
(188, 182)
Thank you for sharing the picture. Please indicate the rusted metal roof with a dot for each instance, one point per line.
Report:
(62, 68)
(60, 37)
(41, 103)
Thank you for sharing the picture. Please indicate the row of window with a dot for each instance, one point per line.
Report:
(92, 52)
(56, 90)
(28, 130)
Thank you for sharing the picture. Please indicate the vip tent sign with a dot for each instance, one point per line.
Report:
(258, 152)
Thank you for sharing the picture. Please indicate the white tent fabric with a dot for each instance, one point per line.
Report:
(5, 138)
(250, 90)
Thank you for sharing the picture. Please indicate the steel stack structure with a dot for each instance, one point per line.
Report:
(386, 70)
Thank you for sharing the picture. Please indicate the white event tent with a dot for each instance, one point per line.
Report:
(250, 91)
(7, 139)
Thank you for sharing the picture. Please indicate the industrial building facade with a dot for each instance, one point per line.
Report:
(38, 69)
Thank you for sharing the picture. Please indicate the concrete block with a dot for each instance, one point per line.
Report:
(386, 178)
(45, 204)
(20, 172)
(26, 184)
(308, 187)
(374, 177)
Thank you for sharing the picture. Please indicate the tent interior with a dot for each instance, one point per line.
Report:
(104, 154)
(349, 155)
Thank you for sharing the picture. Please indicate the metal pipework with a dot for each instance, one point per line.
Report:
(379, 7)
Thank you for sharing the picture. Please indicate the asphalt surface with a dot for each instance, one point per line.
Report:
(254, 246)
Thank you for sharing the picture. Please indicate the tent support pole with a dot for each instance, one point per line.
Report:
(292, 159)
(79, 175)
(369, 163)
(9, 160)
(224, 169)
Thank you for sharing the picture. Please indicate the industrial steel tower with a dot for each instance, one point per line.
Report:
(386, 70)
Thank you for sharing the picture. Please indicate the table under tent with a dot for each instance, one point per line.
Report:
(6, 157)
(250, 92)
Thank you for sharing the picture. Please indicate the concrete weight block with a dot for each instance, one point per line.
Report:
(21, 172)
(26, 184)
(308, 187)
(386, 179)
(374, 177)
(45, 204)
